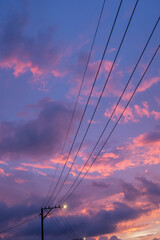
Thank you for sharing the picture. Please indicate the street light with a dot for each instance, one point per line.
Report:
(65, 206)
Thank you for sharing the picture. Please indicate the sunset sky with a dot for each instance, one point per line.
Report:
(44, 49)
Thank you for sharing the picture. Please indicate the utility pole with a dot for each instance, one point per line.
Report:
(42, 230)
(44, 216)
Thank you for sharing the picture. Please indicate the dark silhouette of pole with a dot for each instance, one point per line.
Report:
(42, 230)
(44, 216)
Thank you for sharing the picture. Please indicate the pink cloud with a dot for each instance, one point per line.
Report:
(2, 172)
(2, 162)
(112, 49)
(141, 151)
(90, 76)
(128, 115)
(148, 84)
(156, 115)
(133, 114)
(38, 165)
(20, 180)
(19, 168)
(142, 111)
(39, 55)
(148, 138)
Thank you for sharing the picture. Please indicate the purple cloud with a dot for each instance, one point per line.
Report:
(15, 213)
(114, 238)
(103, 238)
(131, 193)
(152, 190)
(39, 54)
(147, 188)
(149, 138)
(100, 184)
(40, 137)
(104, 222)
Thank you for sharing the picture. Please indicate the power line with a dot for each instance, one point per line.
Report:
(65, 230)
(101, 94)
(91, 93)
(19, 224)
(68, 227)
(84, 74)
(59, 226)
(114, 107)
(114, 125)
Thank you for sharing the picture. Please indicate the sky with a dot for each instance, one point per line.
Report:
(52, 150)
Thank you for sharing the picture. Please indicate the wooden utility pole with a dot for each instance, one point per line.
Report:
(44, 216)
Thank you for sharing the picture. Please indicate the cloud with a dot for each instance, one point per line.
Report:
(100, 184)
(147, 190)
(111, 238)
(39, 55)
(142, 150)
(131, 193)
(145, 112)
(148, 138)
(37, 138)
(15, 213)
(103, 238)
(132, 114)
(92, 225)
(127, 116)
(145, 85)
(148, 84)
(114, 238)
(151, 190)
(90, 76)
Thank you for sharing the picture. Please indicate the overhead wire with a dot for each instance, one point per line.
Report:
(106, 47)
(75, 106)
(142, 53)
(97, 155)
(19, 224)
(100, 95)
(66, 223)
(66, 229)
(60, 227)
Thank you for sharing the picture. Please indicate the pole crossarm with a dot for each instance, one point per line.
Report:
(50, 209)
